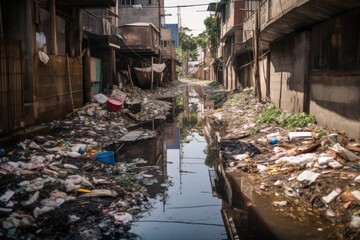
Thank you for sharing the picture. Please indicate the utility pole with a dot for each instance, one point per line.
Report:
(256, 52)
(179, 43)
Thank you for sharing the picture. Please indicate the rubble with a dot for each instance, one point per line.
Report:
(59, 178)
(314, 166)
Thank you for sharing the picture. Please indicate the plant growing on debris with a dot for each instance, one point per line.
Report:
(273, 115)
(236, 98)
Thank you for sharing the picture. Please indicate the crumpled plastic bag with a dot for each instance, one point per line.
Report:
(344, 153)
(43, 57)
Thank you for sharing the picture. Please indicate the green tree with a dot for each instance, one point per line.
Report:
(187, 44)
(211, 35)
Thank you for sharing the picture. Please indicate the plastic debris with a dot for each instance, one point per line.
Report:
(100, 98)
(7, 196)
(100, 193)
(32, 199)
(355, 222)
(279, 203)
(299, 135)
(38, 211)
(122, 218)
(335, 165)
(325, 160)
(331, 196)
(18, 219)
(308, 176)
(343, 152)
(356, 194)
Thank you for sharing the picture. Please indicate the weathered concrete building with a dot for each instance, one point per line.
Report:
(205, 72)
(168, 54)
(141, 24)
(308, 58)
(230, 19)
(41, 60)
(147, 11)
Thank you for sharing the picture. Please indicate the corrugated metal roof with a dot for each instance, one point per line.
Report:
(217, 6)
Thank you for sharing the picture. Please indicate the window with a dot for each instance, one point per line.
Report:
(226, 13)
(251, 6)
(128, 2)
(149, 2)
(164, 43)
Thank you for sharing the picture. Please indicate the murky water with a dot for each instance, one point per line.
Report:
(187, 208)
(193, 199)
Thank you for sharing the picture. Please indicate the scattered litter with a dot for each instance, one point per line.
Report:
(100, 193)
(331, 196)
(356, 194)
(308, 176)
(299, 135)
(122, 218)
(279, 203)
(7, 196)
(343, 152)
(355, 222)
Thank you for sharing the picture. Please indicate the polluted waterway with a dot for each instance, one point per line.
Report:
(186, 208)
(173, 178)
(186, 205)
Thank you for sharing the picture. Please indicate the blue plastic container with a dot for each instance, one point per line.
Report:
(2, 152)
(106, 157)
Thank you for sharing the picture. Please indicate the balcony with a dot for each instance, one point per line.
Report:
(141, 38)
(279, 18)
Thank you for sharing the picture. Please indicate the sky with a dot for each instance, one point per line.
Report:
(191, 17)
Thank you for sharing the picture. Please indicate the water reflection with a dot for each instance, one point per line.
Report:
(186, 205)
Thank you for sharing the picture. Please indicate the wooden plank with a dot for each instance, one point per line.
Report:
(131, 136)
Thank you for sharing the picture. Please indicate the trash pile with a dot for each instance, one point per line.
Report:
(67, 185)
(294, 160)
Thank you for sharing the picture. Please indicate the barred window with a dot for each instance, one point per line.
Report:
(128, 2)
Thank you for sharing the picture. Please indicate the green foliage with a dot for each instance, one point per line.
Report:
(271, 115)
(298, 120)
(236, 98)
(211, 35)
(186, 41)
(274, 115)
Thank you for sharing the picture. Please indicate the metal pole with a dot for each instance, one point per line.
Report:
(256, 52)
(152, 73)
(53, 30)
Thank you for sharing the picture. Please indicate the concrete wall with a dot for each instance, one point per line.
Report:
(280, 7)
(149, 14)
(263, 72)
(245, 71)
(335, 73)
(335, 101)
(288, 71)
